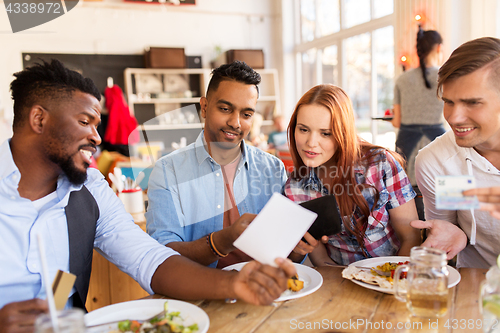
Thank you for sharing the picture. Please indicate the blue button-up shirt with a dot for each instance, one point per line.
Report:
(118, 238)
(186, 191)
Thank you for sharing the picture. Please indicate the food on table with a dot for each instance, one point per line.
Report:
(360, 274)
(294, 284)
(169, 322)
(388, 268)
(381, 275)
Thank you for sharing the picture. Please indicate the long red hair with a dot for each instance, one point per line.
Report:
(351, 151)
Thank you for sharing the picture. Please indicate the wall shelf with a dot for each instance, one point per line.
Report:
(168, 100)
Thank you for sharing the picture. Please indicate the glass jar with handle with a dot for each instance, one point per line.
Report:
(425, 288)
(490, 300)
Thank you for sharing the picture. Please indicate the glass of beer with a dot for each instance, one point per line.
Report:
(425, 288)
(490, 300)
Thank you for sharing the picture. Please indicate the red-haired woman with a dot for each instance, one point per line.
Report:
(374, 195)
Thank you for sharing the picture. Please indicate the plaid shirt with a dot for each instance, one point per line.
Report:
(380, 238)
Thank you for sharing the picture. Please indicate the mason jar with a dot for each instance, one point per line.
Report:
(490, 301)
(425, 288)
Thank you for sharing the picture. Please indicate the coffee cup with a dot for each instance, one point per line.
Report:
(132, 200)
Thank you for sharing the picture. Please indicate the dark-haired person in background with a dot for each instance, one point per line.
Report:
(47, 189)
(198, 195)
(418, 111)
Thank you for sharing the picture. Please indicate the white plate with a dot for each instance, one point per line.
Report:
(312, 281)
(144, 309)
(453, 278)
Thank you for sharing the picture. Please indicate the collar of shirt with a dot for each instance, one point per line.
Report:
(202, 153)
(313, 182)
(7, 167)
(9, 173)
(478, 160)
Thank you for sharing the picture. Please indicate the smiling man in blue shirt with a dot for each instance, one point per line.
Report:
(46, 190)
(199, 195)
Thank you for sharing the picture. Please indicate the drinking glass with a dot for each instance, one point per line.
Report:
(490, 300)
(70, 321)
(425, 290)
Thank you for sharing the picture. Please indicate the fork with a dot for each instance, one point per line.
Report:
(378, 271)
(158, 315)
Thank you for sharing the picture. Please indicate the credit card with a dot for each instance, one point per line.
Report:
(449, 193)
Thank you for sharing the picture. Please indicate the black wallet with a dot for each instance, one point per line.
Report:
(328, 222)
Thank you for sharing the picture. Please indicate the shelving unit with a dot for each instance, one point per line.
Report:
(153, 92)
(168, 100)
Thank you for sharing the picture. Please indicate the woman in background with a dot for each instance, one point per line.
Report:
(374, 195)
(417, 109)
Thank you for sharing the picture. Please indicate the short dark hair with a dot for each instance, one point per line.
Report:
(46, 81)
(237, 71)
(469, 57)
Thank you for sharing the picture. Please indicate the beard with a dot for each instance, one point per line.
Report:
(225, 145)
(67, 165)
(58, 154)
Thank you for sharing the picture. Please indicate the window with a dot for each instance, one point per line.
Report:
(309, 73)
(319, 18)
(350, 43)
(329, 62)
(356, 12)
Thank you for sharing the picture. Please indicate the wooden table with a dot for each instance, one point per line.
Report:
(342, 306)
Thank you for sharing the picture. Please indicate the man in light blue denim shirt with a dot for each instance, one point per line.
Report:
(198, 195)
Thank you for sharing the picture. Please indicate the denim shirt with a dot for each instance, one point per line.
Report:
(186, 191)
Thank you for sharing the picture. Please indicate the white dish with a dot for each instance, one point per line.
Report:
(312, 281)
(453, 278)
(144, 309)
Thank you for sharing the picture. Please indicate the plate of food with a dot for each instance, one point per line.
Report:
(377, 273)
(133, 316)
(306, 282)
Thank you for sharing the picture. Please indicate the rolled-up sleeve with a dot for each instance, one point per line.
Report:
(165, 218)
(122, 242)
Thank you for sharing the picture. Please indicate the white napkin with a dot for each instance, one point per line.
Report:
(276, 230)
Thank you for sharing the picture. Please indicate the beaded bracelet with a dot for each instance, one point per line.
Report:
(211, 245)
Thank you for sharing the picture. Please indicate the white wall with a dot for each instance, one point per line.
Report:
(116, 27)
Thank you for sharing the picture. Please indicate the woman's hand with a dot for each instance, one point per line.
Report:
(303, 248)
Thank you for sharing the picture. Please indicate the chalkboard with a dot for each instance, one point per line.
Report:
(98, 67)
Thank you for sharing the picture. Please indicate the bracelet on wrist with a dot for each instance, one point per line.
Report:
(211, 245)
